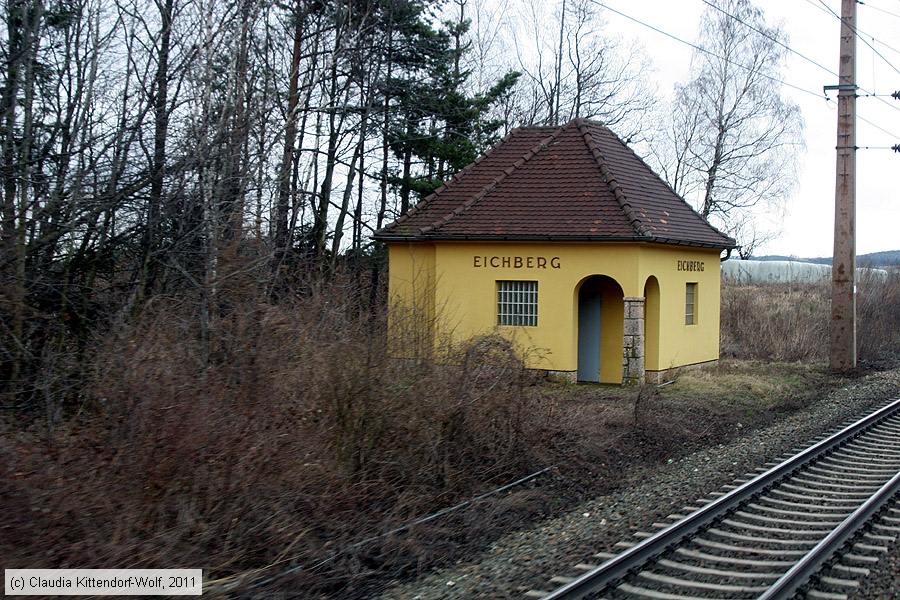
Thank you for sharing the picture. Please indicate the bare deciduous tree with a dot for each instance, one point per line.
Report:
(731, 143)
(573, 69)
(211, 152)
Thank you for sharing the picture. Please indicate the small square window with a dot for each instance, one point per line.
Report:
(517, 303)
(690, 304)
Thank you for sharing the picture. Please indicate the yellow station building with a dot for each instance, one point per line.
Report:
(564, 241)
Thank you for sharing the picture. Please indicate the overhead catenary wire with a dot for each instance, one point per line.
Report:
(880, 42)
(871, 123)
(867, 121)
(831, 13)
(867, 93)
(878, 127)
(861, 37)
(769, 37)
(887, 12)
(859, 31)
(709, 52)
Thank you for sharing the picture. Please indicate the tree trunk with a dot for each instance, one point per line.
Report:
(386, 122)
(559, 57)
(15, 23)
(290, 133)
(348, 193)
(29, 49)
(236, 171)
(407, 167)
(153, 233)
(320, 223)
(709, 200)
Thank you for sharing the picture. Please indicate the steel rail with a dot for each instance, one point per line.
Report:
(798, 575)
(621, 565)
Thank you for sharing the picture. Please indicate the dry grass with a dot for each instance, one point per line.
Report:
(789, 322)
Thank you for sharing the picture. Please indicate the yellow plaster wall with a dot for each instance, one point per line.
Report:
(467, 295)
(681, 344)
(411, 285)
(651, 324)
(612, 318)
(461, 297)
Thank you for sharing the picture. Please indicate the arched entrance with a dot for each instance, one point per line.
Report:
(600, 330)
(651, 324)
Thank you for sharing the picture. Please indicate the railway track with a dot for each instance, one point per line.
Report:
(811, 526)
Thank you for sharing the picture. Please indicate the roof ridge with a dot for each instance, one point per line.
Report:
(674, 193)
(610, 179)
(446, 185)
(493, 184)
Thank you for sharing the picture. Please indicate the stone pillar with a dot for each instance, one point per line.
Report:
(633, 346)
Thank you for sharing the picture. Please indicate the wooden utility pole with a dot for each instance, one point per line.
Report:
(843, 267)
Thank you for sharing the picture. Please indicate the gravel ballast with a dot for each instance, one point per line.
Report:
(527, 558)
(884, 581)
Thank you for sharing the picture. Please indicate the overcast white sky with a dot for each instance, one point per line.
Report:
(808, 225)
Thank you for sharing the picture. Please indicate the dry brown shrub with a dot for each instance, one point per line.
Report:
(288, 435)
(298, 437)
(789, 322)
(781, 322)
(878, 325)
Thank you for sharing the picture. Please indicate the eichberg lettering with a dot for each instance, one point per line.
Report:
(516, 262)
(691, 265)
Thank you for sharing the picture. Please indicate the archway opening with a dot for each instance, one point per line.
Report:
(600, 330)
(651, 324)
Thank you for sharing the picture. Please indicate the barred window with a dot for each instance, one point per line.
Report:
(690, 304)
(517, 303)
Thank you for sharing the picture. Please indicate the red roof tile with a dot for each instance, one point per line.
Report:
(574, 182)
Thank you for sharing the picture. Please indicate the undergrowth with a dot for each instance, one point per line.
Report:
(288, 437)
(789, 322)
(285, 436)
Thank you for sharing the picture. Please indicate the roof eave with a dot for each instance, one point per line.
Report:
(387, 237)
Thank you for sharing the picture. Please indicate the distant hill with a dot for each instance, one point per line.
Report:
(888, 258)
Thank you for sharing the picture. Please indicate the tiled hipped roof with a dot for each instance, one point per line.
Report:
(574, 182)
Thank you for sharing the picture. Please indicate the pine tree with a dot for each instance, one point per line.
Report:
(436, 127)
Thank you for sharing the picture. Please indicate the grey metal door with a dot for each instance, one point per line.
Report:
(589, 333)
